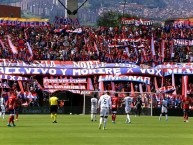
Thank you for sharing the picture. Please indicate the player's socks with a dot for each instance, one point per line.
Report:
(160, 116)
(105, 123)
(128, 118)
(9, 121)
(91, 117)
(0, 114)
(94, 117)
(3, 116)
(166, 117)
(113, 118)
(12, 120)
(17, 116)
(55, 117)
(100, 126)
(52, 117)
(13, 124)
(101, 120)
(184, 118)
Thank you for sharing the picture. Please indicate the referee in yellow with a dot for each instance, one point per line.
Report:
(53, 108)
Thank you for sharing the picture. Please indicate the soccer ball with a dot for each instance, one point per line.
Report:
(70, 113)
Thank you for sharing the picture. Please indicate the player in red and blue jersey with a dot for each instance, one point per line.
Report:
(185, 104)
(11, 108)
(115, 105)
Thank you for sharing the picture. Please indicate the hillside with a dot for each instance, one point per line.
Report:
(152, 9)
(110, 3)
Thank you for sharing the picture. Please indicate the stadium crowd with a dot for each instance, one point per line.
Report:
(104, 44)
(123, 45)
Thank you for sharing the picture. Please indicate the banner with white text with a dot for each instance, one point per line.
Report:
(79, 72)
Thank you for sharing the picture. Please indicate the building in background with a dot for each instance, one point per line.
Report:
(10, 11)
(71, 5)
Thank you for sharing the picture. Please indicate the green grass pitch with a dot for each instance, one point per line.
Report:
(79, 130)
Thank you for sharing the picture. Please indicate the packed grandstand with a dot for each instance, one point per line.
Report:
(138, 59)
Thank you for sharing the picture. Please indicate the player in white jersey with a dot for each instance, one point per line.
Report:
(2, 107)
(94, 102)
(128, 102)
(104, 104)
(164, 109)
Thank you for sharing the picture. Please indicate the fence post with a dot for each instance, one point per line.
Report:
(151, 105)
(83, 110)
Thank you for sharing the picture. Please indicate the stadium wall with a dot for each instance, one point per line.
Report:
(10, 11)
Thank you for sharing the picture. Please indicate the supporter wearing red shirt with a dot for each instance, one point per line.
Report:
(11, 108)
(21, 44)
(185, 104)
(115, 104)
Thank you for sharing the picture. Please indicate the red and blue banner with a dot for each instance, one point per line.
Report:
(71, 68)
(176, 68)
(65, 64)
(183, 42)
(64, 80)
(66, 21)
(166, 89)
(79, 72)
(139, 79)
(13, 78)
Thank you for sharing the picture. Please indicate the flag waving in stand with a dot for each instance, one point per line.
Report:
(13, 48)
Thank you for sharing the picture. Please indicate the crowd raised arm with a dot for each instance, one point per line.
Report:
(112, 45)
(126, 44)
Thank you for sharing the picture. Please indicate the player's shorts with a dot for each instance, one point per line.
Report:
(3, 109)
(11, 112)
(16, 109)
(93, 110)
(104, 111)
(186, 110)
(164, 110)
(138, 107)
(114, 110)
(53, 109)
(127, 110)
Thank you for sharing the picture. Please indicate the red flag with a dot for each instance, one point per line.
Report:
(184, 86)
(21, 86)
(132, 90)
(89, 85)
(2, 44)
